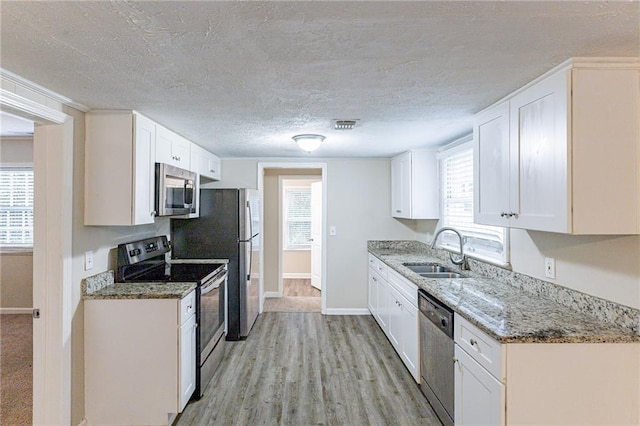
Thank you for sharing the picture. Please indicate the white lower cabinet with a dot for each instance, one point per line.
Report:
(411, 340)
(372, 297)
(139, 358)
(479, 397)
(395, 313)
(187, 347)
(543, 383)
(383, 312)
(395, 319)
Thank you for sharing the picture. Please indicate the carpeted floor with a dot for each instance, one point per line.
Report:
(299, 296)
(16, 369)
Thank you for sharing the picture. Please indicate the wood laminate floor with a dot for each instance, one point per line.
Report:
(299, 288)
(298, 296)
(309, 369)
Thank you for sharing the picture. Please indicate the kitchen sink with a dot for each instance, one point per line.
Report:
(442, 275)
(427, 268)
(433, 270)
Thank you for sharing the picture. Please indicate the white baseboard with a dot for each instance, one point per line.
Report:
(297, 275)
(16, 310)
(272, 294)
(342, 311)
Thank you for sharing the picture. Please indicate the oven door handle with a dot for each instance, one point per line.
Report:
(214, 284)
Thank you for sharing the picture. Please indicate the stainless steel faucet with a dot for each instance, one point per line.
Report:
(460, 261)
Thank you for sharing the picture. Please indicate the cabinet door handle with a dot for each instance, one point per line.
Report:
(473, 342)
(212, 171)
(398, 211)
(374, 278)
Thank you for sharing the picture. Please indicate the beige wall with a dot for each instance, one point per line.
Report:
(358, 205)
(604, 266)
(16, 150)
(296, 262)
(16, 269)
(16, 280)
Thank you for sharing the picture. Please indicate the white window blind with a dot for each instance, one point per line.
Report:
(297, 218)
(16, 207)
(456, 177)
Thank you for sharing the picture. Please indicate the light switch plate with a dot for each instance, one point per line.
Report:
(550, 267)
(88, 260)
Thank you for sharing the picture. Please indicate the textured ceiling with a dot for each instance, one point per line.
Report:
(241, 78)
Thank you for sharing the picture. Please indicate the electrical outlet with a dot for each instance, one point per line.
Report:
(550, 267)
(332, 230)
(88, 260)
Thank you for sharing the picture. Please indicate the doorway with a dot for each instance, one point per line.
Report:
(52, 254)
(300, 244)
(16, 269)
(294, 216)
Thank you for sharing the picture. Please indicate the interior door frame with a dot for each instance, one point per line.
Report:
(294, 165)
(52, 256)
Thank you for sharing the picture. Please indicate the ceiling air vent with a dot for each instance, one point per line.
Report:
(344, 124)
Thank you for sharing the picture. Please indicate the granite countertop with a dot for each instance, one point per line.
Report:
(507, 313)
(102, 286)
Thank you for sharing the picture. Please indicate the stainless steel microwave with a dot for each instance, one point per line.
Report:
(175, 191)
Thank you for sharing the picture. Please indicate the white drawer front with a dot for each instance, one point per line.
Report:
(187, 306)
(404, 286)
(378, 265)
(479, 345)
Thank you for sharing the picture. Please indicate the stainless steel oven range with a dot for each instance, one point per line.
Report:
(145, 261)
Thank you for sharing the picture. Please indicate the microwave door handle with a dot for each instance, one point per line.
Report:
(188, 189)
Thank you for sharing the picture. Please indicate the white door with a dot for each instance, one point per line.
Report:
(316, 235)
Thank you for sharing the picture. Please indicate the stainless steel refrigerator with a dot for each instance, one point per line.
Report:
(228, 228)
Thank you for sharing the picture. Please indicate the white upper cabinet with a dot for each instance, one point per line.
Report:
(414, 185)
(173, 149)
(119, 169)
(206, 164)
(561, 154)
(491, 165)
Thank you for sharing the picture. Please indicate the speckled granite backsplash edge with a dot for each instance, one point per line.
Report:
(601, 309)
(97, 282)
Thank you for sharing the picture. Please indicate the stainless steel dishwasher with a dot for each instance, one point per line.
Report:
(436, 356)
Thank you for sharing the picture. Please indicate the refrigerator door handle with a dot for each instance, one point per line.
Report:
(250, 220)
(250, 260)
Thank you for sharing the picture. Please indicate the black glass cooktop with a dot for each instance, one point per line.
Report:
(168, 272)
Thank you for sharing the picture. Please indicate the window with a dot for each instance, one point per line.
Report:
(16, 207)
(297, 218)
(456, 179)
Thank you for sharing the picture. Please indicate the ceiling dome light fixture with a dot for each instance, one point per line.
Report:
(308, 142)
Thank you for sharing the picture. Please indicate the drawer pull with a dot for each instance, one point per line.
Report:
(473, 342)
